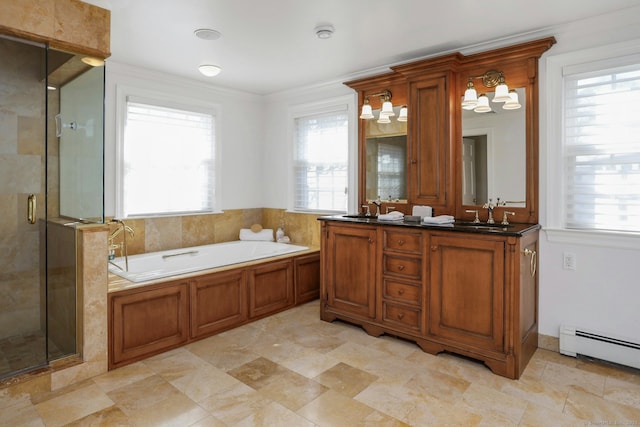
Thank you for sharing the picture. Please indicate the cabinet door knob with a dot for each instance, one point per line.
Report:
(434, 248)
(401, 267)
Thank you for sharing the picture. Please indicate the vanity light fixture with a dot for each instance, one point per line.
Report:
(483, 104)
(491, 78)
(386, 111)
(512, 103)
(402, 117)
(209, 70)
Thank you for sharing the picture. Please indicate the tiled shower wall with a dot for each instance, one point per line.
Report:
(158, 234)
(22, 109)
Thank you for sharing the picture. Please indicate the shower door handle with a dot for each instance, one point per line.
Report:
(31, 209)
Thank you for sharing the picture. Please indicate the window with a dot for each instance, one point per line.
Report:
(391, 170)
(168, 156)
(321, 153)
(602, 148)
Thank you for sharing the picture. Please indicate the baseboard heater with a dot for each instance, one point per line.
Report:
(574, 342)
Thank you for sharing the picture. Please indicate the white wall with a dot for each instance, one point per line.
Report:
(603, 293)
(278, 147)
(241, 122)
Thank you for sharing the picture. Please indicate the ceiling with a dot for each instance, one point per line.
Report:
(270, 45)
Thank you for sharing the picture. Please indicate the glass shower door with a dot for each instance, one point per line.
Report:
(23, 94)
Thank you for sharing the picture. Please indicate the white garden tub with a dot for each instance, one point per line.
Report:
(157, 265)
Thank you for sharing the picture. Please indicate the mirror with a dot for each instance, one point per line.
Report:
(494, 149)
(386, 160)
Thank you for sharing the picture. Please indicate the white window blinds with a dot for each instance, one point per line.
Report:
(320, 162)
(602, 149)
(169, 160)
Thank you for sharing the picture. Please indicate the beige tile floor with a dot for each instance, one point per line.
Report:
(292, 369)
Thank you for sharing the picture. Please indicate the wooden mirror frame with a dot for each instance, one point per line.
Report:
(395, 83)
(520, 67)
(519, 63)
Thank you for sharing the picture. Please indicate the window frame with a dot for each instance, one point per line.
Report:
(603, 57)
(341, 103)
(171, 100)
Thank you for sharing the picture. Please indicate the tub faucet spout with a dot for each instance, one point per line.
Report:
(121, 227)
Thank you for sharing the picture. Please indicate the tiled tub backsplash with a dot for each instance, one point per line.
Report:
(158, 234)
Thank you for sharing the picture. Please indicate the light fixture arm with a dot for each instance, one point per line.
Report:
(491, 78)
(385, 95)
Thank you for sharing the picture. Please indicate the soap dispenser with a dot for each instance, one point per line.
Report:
(279, 234)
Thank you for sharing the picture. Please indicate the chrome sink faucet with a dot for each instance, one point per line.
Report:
(489, 207)
(378, 204)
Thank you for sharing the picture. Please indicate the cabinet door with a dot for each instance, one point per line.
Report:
(149, 322)
(467, 294)
(350, 270)
(218, 302)
(430, 166)
(270, 288)
(307, 278)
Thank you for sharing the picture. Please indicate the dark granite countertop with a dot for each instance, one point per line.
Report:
(513, 229)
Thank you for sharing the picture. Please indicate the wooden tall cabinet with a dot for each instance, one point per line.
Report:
(456, 289)
(429, 142)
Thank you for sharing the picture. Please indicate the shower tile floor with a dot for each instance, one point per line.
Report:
(20, 352)
(292, 369)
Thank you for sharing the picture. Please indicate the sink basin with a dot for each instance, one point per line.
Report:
(359, 216)
(483, 226)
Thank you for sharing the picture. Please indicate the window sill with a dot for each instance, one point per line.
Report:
(607, 239)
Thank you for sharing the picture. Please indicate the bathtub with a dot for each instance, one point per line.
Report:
(157, 265)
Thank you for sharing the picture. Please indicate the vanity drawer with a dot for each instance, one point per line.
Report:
(405, 317)
(402, 241)
(402, 292)
(410, 268)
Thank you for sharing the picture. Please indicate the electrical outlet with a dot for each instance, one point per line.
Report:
(569, 261)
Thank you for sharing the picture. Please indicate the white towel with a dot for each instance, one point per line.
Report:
(439, 220)
(391, 216)
(265, 235)
(422, 211)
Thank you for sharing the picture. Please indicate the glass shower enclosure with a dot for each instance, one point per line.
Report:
(51, 181)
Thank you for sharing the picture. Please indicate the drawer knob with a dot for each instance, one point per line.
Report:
(400, 291)
(400, 242)
(400, 315)
(401, 267)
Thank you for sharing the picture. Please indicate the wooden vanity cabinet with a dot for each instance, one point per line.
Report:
(401, 286)
(467, 293)
(348, 271)
(473, 294)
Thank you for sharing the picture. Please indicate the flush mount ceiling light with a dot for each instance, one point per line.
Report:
(324, 31)
(207, 34)
(209, 70)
